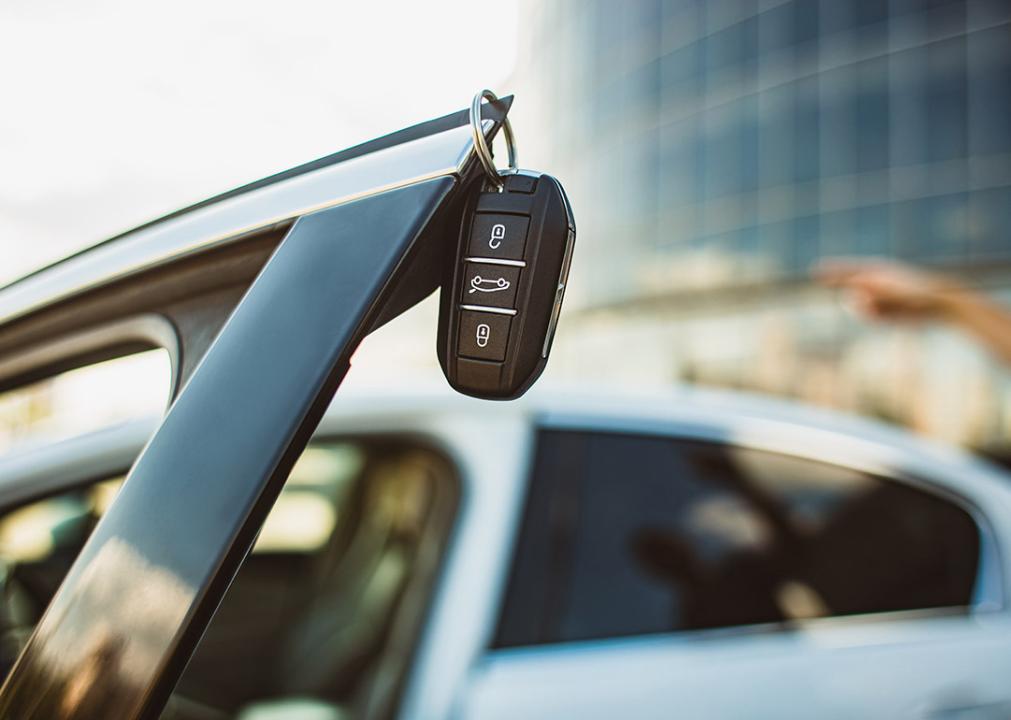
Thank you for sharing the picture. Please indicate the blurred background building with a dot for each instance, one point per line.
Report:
(715, 150)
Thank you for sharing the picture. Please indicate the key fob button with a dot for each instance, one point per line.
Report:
(498, 236)
(521, 183)
(490, 285)
(483, 335)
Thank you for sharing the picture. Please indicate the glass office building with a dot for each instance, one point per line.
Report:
(716, 150)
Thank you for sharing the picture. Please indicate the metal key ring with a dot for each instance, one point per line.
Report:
(481, 144)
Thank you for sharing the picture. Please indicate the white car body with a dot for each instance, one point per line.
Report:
(888, 665)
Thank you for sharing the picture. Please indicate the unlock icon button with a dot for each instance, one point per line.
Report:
(498, 233)
(499, 236)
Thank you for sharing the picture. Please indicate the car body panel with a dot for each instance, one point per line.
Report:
(454, 673)
(837, 668)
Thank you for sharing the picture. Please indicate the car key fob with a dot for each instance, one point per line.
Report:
(503, 292)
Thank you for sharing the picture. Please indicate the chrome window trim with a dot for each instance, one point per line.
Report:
(207, 226)
(825, 446)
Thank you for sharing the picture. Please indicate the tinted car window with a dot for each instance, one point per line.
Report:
(627, 535)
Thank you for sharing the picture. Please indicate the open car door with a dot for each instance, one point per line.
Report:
(353, 240)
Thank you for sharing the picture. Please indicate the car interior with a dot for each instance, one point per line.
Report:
(321, 619)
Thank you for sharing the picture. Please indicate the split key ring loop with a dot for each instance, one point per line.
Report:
(481, 148)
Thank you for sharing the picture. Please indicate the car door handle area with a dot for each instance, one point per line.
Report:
(122, 626)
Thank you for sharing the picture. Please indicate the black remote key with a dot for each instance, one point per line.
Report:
(503, 293)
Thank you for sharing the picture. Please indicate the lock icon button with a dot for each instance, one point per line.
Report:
(483, 336)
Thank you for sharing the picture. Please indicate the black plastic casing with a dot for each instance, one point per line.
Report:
(540, 289)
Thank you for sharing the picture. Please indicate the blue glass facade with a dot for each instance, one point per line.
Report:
(718, 141)
(714, 151)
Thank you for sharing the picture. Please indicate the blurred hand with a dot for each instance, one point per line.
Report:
(885, 290)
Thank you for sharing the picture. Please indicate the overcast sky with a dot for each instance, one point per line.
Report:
(114, 112)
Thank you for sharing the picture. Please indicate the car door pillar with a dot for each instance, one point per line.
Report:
(119, 631)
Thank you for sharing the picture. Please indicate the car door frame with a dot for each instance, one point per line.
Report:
(351, 259)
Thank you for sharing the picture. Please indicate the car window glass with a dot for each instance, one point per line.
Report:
(326, 604)
(85, 399)
(307, 510)
(38, 544)
(627, 535)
